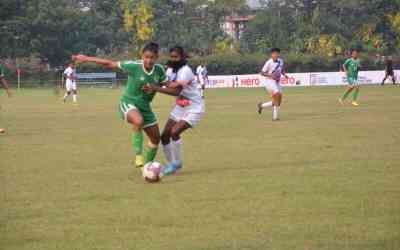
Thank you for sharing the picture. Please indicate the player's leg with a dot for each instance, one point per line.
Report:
(276, 103)
(133, 116)
(270, 90)
(355, 95)
(74, 92)
(150, 127)
(176, 132)
(384, 79)
(176, 142)
(166, 140)
(276, 100)
(263, 105)
(153, 132)
(346, 94)
(67, 93)
(202, 89)
(68, 89)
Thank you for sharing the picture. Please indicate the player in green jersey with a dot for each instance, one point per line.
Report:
(134, 104)
(351, 66)
(6, 86)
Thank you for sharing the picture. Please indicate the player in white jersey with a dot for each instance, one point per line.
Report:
(188, 111)
(70, 83)
(202, 78)
(272, 71)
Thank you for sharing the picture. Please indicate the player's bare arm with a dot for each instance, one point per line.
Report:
(151, 88)
(344, 69)
(104, 62)
(266, 74)
(284, 73)
(178, 84)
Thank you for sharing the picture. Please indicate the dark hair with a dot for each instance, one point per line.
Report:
(180, 51)
(151, 47)
(177, 65)
(275, 50)
(354, 50)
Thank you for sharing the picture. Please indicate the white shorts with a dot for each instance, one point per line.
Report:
(70, 85)
(273, 86)
(187, 114)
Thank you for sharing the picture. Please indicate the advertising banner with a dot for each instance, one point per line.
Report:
(295, 79)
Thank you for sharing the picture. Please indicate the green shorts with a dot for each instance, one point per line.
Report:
(149, 118)
(352, 81)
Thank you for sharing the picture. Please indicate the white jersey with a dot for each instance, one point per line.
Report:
(201, 71)
(274, 68)
(70, 83)
(189, 91)
(70, 73)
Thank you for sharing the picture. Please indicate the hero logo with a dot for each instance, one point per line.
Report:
(250, 82)
(288, 81)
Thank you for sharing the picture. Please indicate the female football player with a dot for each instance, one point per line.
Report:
(134, 105)
(188, 111)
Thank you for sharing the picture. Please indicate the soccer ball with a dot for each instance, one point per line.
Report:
(152, 172)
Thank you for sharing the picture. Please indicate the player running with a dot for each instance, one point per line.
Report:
(272, 71)
(70, 83)
(389, 72)
(135, 103)
(6, 86)
(188, 111)
(351, 67)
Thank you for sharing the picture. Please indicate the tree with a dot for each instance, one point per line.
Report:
(138, 16)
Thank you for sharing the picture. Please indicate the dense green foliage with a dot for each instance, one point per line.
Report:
(307, 30)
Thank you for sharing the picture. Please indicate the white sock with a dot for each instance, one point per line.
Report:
(65, 96)
(275, 113)
(176, 150)
(266, 105)
(74, 98)
(168, 152)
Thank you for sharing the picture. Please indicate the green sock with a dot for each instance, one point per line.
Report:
(355, 94)
(137, 142)
(346, 94)
(151, 154)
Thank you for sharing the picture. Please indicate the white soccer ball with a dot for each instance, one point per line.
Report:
(152, 172)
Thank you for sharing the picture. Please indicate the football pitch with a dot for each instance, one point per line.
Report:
(324, 177)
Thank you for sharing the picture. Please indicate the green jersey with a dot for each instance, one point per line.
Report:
(139, 77)
(352, 66)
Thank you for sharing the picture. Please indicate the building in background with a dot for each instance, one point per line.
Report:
(235, 26)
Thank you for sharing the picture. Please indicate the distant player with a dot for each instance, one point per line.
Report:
(70, 83)
(188, 111)
(202, 78)
(135, 103)
(351, 67)
(389, 72)
(272, 71)
(6, 86)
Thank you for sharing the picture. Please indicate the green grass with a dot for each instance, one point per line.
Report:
(325, 177)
